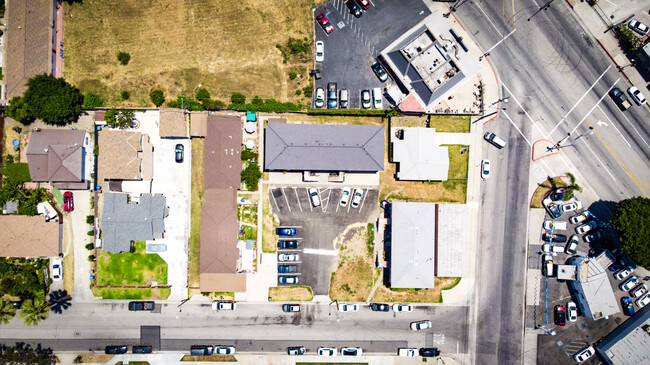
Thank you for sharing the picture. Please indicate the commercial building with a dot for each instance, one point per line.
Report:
(629, 343)
(417, 156)
(594, 294)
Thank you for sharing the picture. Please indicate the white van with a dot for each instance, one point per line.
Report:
(494, 139)
(376, 98)
(343, 99)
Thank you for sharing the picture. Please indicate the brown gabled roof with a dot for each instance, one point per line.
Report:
(25, 236)
(29, 43)
(198, 124)
(222, 283)
(56, 155)
(124, 155)
(172, 123)
(219, 229)
(223, 152)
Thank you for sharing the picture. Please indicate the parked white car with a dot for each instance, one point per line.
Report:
(639, 291)
(586, 227)
(579, 217)
(636, 95)
(583, 355)
(348, 307)
(224, 350)
(319, 101)
(643, 301)
(629, 283)
(572, 206)
(313, 196)
(320, 51)
(288, 257)
(327, 351)
(57, 269)
(420, 325)
(572, 245)
(638, 27)
(572, 311)
(345, 196)
(407, 352)
(356, 198)
(485, 169)
(376, 98)
(623, 273)
(397, 307)
(555, 226)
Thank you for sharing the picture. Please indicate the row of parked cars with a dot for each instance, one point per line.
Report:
(336, 99)
(632, 285)
(358, 351)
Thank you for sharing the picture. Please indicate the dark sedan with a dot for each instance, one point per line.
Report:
(288, 245)
(115, 350)
(379, 307)
(429, 352)
(179, 153)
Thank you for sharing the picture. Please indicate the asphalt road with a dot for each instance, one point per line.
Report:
(252, 327)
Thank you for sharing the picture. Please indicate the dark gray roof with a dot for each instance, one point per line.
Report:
(629, 343)
(323, 147)
(140, 219)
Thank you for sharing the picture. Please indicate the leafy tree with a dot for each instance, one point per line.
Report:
(109, 116)
(251, 176)
(124, 58)
(125, 95)
(238, 98)
(157, 97)
(185, 103)
(257, 100)
(19, 111)
(60, 301)
(212, 104)
(33, 311)
(121, 118)
(632, 223)
(24, 354)
(7, 311)
(53, 100)
(92, 101)
(202, 94)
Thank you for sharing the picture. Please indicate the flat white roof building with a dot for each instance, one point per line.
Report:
(418, 157)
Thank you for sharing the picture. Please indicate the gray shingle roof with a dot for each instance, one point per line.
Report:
(123, 222)
(319, 147)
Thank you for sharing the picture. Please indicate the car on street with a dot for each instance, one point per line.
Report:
(287, 280)
(355, 9)
(356, 198)
(288, 257)
(313, 196)
(178, 151)
(285, 231)
(407, 352)
(224, 350)
(376, 98)
(327, 351)
(572, 311)
(560, 238)
(57, 269)
(320, 51)
(643, 301)
(560, 315)
(586, 227)
(572, 245)
(623, 273)
(485, 169)
(345, 196)
(115, 350)
(287, 269)
(397, 307)
(620, 99)
(379, 307)
(638, 27)
(583, 355)
(224, 305)
(68, 201)
(319, 101)
(365, 4)
(296, 350)
(628, 307)
(420, 325)
(141, 349)
(142, 305)
(201, 350)
(639, 291)
(636, 95)
(348, 307)
(288, 245)
(555, 226)
(595, 235)
(552, 208)
(351, 351)
(629, 283)
(572, 206)
(579, 217)
(290, 308)
(429, 352)
(322, 20)
(366, 101)
(495, 140)
(379, 71)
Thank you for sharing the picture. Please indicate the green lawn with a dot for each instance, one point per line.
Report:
(148, 293)
(131, 268)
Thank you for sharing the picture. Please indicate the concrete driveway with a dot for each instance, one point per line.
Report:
(173, 180)
(77, 235)
(317, 227)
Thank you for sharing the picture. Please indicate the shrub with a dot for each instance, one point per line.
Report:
(132, 248)
(257, 100)
(17, 129)
(96, 150)
(124, 58)
(248, 155)
(308, 90)
(125, 95)
(186, 103)
(251, 176)
(91, 233)
(629, 38)
(270, 105)
(213, 104)
(292, 75)
(202, 94)
(359, 112)
(157, 97)
(91, 258)
(298, 92)
(92, 101)
(90, 219)
(90, 246)
(238, 98)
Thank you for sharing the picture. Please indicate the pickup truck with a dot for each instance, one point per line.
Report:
(141, 306)
(620, 98)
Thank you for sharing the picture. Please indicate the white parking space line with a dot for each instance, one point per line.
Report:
(633, 127)
(363, 201)
(580, 100)
(490, 20)
(323, 201)
(522, 108)
(285, 199)
(317, 251)
(272, 196)
(614, 125)
(311, 206)
(586, 143)
(517, 128)
(297, 198)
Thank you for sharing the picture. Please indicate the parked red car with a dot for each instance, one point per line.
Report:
(365, 4)
(322, 20)
(68, 201)
(560, 315)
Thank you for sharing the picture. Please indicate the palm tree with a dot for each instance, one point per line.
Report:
(7, 311)
(571, 187)
(34, 311)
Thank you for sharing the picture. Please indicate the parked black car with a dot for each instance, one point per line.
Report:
(379, 71)
(179, 153)
(201, 350)
(355, 9)
(429, 352)
(115, 350)
(284, 269)
(141, 349)
(379, 307)
(553, 237)
(288, 245)
(142, 306)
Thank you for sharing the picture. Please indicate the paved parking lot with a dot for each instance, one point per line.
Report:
(355, 42)
(317, 227)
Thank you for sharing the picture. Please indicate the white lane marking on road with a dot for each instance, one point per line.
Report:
(499, 42)
(285, 198)
(601, 123)
(599, 161)
(632, 125)
(488, 18)
(517, 128)
(614, 125)
(317, 251)
(297, 198)
(580, 100)
(272, 196)
(594, 107)
(522, 108)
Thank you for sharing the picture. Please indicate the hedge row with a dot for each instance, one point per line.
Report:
(353, 112)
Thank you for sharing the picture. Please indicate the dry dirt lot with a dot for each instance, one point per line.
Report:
(226, 46)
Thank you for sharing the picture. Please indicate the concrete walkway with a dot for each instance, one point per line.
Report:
(78, 238)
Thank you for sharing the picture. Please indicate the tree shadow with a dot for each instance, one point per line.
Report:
(60, 301)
